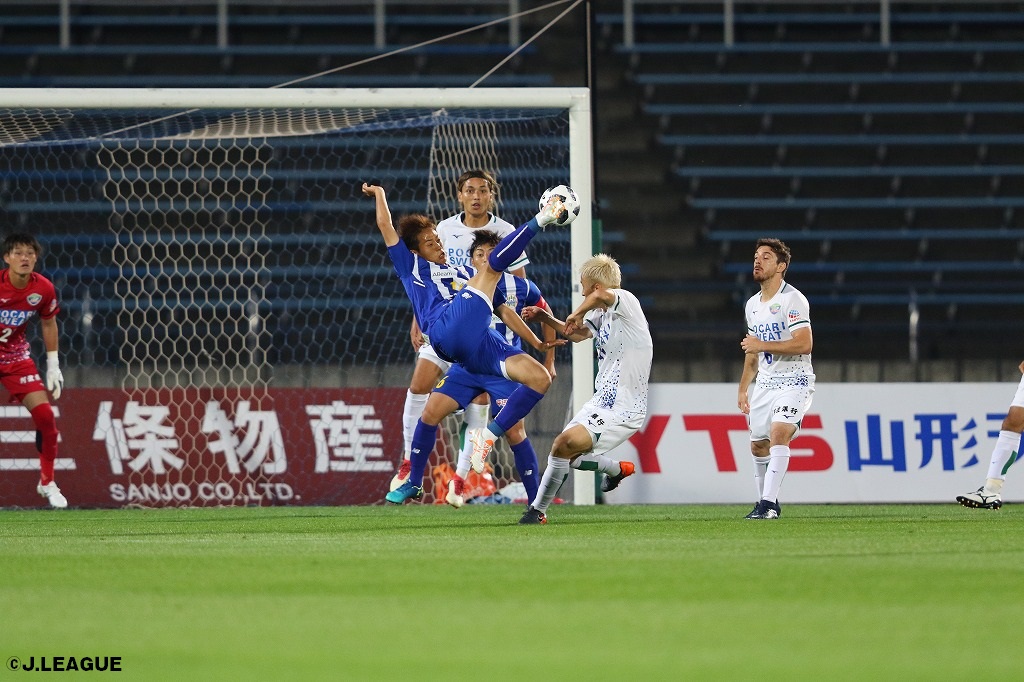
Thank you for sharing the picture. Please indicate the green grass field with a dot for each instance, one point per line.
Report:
(914, 592)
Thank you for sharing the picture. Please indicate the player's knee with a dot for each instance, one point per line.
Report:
(46, 423)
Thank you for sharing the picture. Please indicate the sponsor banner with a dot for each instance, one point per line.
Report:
(210, 447)
(925, 442)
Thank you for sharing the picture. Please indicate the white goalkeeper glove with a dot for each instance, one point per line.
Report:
(54, 379)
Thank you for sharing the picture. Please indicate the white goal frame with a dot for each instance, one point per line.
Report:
(575, 100)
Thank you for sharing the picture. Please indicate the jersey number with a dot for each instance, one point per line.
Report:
(5, 334)
(768, 359)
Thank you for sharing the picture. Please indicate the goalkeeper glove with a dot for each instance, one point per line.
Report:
(54, 378)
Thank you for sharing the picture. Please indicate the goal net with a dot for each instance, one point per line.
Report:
(232, 331)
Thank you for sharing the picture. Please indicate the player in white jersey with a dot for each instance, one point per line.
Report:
(1005, 453)
(778, 353)
(613, 317)
(476, 192)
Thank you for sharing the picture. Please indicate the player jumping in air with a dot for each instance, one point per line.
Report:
(458, 326)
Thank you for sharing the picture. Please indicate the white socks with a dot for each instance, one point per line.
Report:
(1002, 456)
(760, 467)
(554, 476)
(598, 463)
(411, 413)
(778, 463)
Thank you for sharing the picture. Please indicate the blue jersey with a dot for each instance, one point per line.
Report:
(516, 293)
(429, 286)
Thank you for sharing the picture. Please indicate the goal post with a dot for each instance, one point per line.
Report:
(195, 162)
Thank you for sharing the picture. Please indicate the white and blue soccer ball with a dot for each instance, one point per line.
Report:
(570, 201)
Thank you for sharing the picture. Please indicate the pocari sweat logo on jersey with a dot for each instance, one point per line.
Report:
(15, 318)
(775, 307)
(34, 299)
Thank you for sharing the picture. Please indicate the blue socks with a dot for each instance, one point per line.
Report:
(511, 247)
(528, 468)
(516, 407)
(423, 440)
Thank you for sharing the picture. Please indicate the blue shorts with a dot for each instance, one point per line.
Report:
(463, 334)
(462, 386)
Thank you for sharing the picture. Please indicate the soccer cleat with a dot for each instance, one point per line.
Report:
(483, 441)
(53, 495)
(402, 476)
(532, 517)
(552, 212)
(406, 491)
(755, 512)
(981, 499)
(610, 483)
(765, 510)
(456, 486)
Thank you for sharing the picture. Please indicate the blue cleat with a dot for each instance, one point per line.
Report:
(406, 491)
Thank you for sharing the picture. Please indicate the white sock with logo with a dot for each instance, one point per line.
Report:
(778, 463)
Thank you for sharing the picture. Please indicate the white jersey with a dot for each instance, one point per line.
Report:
(624, 354)
(457, 239)
(775, 320)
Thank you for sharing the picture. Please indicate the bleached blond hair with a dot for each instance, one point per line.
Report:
(603, 270)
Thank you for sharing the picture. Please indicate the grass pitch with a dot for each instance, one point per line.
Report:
(909, 592)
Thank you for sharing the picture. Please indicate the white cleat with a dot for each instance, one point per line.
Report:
(456, 486)
(53, 495)
(402, 476)
(483, 441)
(981, 499)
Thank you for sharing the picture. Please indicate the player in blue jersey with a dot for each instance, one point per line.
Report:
(459, 328)
(460, 387)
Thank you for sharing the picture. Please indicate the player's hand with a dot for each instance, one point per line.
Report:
(54, 379)
(751, 344)
(573, 324)
(370, 190)
(532, 312)
(743, 403)
(416, 337)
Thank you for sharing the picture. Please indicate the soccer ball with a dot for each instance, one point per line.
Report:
(569, 200)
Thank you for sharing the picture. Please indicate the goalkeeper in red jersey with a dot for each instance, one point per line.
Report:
(25, 294)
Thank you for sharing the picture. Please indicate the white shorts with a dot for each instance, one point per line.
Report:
(607, 429)
(1018, 397)
(426, 352)
(787, 404)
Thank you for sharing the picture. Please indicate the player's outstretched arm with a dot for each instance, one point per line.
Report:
(384, 224)
(520, 329)
(532, 313)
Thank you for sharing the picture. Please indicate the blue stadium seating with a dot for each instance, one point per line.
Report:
(893, 171)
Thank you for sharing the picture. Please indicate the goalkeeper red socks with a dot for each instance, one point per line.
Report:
(46, 424)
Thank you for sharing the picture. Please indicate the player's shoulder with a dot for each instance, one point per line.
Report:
(791, 291)
(500, 225)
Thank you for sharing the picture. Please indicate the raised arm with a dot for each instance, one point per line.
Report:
(532, 313)
(598, 298)
(384, 224)
(520, 329)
